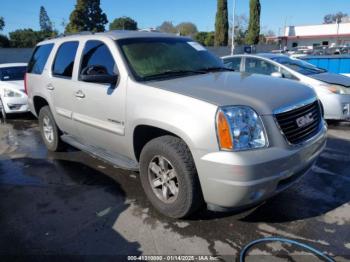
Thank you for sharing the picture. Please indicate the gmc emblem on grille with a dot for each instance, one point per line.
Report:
(304, 120)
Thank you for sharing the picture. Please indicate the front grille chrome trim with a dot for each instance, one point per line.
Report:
(309, 105)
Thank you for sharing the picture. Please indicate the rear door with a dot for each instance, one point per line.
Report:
(100, 108)
(61, 85)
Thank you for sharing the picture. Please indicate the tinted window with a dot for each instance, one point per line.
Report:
(233, 63)
(259, 66)
(37, 62)
(163, 58)
(64, 61)
(300, 66)
(12, 73)
(97, 53)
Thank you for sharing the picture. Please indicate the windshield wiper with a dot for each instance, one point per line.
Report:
(168, 73)
(215, 69)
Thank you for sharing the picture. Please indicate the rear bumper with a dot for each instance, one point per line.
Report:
(234, 180)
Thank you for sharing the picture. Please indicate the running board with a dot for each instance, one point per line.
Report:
(115, 159)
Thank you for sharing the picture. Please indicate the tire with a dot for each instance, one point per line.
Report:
(53, 142)
(177, 157)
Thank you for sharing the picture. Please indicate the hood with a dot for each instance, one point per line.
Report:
(18, 85)
(332, 78)
(262, 93)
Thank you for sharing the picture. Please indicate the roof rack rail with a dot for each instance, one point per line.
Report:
(70, 34)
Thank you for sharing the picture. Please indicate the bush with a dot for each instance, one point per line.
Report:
(4, 41)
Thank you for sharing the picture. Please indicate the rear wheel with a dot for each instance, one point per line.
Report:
(49, 130)
(169, 177)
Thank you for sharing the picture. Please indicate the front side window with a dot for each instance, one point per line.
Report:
(164, 58)
(64, 61)
(96, 53)
(39, 58)
(259, 66)
(12, 73)
(233, 63)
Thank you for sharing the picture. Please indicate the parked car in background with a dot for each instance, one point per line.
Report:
(13, 98)
(332, 89)
(197, 132)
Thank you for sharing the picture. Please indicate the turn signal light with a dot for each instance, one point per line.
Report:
(223, 130)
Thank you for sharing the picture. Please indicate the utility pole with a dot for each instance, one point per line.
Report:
(233, 27)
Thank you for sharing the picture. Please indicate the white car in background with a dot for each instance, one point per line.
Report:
(333, 90)
(13, 98)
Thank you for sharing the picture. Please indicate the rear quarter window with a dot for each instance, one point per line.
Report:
(39, 58)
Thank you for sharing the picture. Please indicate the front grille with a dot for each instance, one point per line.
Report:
(300, 124)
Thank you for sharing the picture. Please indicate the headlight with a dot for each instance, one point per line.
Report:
(336, 89)
(11, 93)
(239, 128)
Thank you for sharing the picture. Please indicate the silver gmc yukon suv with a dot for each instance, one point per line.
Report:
(167, 107)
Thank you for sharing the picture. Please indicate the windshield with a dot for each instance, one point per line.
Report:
(300, 66)
(164, 58)
(12, 73)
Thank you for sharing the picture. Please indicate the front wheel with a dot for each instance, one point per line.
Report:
(169, 177)
(49, 130)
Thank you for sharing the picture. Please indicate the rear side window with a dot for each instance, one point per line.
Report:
(64, 61)
(39, 58)
(97, 53)
(233, 63)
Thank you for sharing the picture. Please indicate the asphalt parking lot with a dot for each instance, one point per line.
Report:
(72, 204)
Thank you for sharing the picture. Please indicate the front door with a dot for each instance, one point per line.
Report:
(100, 108)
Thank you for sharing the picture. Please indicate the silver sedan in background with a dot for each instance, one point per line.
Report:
(332, 89)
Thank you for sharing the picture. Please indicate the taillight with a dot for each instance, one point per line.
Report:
(25, 84)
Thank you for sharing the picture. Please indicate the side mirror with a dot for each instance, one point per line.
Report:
(277, 75)
(98, 74)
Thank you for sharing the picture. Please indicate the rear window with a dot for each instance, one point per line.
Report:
(64, 61)
(39, 58)
(12, 73)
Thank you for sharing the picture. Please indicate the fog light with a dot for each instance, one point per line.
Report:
(346, 109)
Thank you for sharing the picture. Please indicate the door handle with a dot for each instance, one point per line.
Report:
(79, 94)
(50, 87)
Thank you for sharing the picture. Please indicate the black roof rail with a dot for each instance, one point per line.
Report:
(70, 34)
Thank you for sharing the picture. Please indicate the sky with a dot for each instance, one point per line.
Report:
(275, 14)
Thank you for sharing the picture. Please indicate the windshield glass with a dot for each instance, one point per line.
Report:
(164, 58)
(300, 66)
(12, 73)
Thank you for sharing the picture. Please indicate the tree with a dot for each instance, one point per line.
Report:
(187, 29)
(221, 24)
(24, 38)
(167, 27)
(253, 33)
(205, 38)
(44, 20)
(334, 18)
(4, 41)
(123, 23)
(87, 16)
(241, 28)
(2, 23)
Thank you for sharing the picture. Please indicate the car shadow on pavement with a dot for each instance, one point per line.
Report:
(60, 208)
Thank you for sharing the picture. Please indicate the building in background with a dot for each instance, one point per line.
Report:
(311, 36)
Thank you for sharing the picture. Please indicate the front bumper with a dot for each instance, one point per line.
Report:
(336, 107)
(234, 180)
(15, 104)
